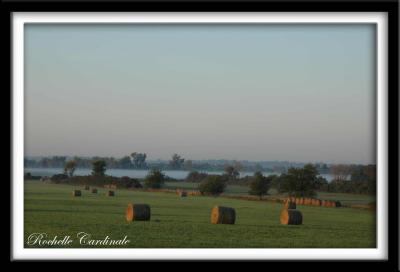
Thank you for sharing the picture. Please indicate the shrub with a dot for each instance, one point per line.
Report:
(213, 185)
(260, 185)
(155, 179)
(59, 178)
(98, 167)
(28, 175)
(127, 182)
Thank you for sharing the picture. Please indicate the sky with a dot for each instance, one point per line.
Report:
(302, 93)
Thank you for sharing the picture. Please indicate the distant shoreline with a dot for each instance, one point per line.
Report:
(140, 173)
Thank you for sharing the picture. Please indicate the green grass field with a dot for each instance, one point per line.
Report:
(185, 222)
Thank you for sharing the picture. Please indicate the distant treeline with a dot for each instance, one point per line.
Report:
(138, 161)
(297, 181)
(305, 181)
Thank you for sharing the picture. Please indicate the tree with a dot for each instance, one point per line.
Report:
(154, 179)
(340, 172)
(260, 185)
(176, 162)
(231, 172)
(300, 182)
(69, 168)
(188, 165)
(139, 160)
(98, 167)
(124, 162)
(128, 182)
(213, 185)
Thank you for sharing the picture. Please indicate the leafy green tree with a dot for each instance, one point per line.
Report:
(139, 160)
(301, 182)
(213, 185)
(98, 167)
(125, 162)
(176, 162)
(260, 185)
(69, 168)
(154, 179)
(231, 172)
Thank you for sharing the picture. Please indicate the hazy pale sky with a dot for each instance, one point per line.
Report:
(256, 92)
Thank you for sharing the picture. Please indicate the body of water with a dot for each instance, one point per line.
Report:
(134, 173)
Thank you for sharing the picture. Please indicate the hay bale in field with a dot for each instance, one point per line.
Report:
(182, 194)
(223, 215)
(76, 193)
(316, 202)
(194, 193)
(291, 217)
(94, 191)
(139, 212)
(328, 203)
(313, 202)
(110, 193)
(289, 205)
(307, 201)
(87, 188)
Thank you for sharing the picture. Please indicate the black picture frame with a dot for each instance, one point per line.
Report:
(389, 6)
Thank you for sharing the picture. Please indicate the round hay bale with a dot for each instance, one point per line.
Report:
(223, 215)
(329, 204)
(139, 212)
(76, 193)
(182, 194)
(316, 202)
(110, 193)
(291, 217)
(290, 205)
(87, 188)
(94, 191)
(307, 201)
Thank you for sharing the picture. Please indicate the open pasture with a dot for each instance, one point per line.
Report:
(178, 222)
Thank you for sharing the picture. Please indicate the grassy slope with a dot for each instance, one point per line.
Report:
(184, 222)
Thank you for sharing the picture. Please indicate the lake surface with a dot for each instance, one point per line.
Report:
(134, 173)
